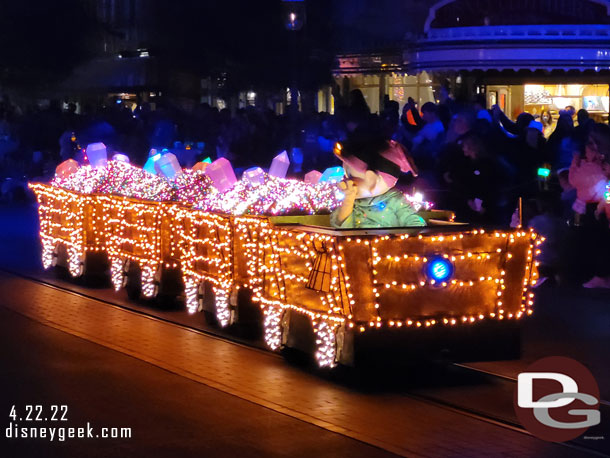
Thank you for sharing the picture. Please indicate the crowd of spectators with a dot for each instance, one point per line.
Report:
(473, 160)
(494, 171)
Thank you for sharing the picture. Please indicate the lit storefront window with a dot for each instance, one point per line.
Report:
(556, 97)
(418, 87)
(397, 87)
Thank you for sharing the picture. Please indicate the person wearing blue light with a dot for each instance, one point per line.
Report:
(372, 167)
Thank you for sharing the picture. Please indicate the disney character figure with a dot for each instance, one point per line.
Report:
(372, 167)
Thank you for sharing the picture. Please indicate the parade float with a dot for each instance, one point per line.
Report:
(267, 240)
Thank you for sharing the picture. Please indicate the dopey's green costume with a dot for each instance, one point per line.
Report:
(390, 209)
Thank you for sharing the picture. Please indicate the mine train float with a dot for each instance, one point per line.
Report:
(315, 288)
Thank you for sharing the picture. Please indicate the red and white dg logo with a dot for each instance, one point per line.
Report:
(557, 399)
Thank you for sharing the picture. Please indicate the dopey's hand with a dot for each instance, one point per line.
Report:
(349, 188)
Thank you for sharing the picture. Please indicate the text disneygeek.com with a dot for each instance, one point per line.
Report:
(61, 433)
(27, 423)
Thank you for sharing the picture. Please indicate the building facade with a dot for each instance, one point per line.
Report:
(534, 56)
(371, 39)
(525, 55)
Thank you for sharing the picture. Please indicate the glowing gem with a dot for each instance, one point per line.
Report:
(149, 166)
(313, 177)
(279, 165)
(254, 175)
(168, 166)
(66, 168)
(120, 157)
(222, 174)
(97, 155)
(333, 175)
(201, 166)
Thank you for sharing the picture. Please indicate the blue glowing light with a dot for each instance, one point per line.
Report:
(439, 269)
(333, 175)
(150, 164)
(381, 206)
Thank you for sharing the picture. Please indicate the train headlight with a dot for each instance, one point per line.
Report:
(439, 269)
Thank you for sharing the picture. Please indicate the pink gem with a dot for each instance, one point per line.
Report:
(221, 173)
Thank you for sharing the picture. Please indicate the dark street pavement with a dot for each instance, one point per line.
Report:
(390, 420)
(170, 416)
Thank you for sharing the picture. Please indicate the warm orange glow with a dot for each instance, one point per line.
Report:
(494, 271)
